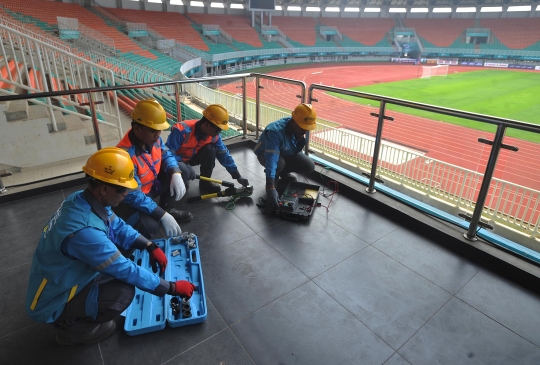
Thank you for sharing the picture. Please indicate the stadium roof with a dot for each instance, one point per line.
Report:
(402, 3)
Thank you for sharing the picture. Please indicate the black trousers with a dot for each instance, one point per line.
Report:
(206, 157)
(114, 296)
(145, 224)
(299, 163)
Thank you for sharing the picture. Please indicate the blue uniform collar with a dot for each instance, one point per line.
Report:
(137, 144)
(97, 207)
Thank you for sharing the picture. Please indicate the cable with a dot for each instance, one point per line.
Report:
(232, 202)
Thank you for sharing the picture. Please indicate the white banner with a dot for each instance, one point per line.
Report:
(444, 62)
(493, 64)
(537, 68)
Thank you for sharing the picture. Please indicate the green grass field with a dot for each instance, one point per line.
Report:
(506, 94)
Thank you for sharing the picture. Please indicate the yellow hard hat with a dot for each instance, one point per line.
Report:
(218, 115)
(305, 116)
(151, 114)
(111, 165)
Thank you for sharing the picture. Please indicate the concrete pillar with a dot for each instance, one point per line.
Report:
(269, 18)
(504, 13)
(253, 19)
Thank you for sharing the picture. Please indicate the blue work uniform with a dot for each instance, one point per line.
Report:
(277, 140)
(81, 240)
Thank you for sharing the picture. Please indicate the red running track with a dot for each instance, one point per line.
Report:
(442, 141)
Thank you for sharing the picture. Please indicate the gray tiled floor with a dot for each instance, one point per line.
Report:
(349, 286)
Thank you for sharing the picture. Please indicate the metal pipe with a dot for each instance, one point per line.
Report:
(376, 149)
(178, 105)
(244, 106)
(94, 120)
(486, 181)
(257, 106)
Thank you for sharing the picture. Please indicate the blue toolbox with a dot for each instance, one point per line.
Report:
(148, 313)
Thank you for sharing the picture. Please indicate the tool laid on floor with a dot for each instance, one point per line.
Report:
(230, 190)
(296, 203)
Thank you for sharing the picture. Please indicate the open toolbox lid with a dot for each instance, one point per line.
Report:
(150, 313)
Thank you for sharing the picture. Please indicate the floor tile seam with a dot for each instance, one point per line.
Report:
(242, 345)
(380, 238)
(267, 304)
(343, 227)
(346, 258)
(14, 267)
(26, 222)
(417, 273)
(19, 330)
(422, 326)
(358, 319)
(101, 353)
(496, 321)
(192, 347)
(227, 245)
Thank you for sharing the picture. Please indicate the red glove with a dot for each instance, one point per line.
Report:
(182, 288)
(157, 257)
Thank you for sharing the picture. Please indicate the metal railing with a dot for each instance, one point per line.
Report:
(91, 37)
(65, 71)
(510, 203)
(135, 26)
(39, 35)
(501, 123)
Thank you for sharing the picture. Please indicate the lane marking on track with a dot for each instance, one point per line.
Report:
(318, 72)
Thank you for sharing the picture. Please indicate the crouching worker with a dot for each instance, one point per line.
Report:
(156, 173)
(79, 279)
(279, 150)
(197, 142)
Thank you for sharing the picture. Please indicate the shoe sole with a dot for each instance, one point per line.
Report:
(65, 342)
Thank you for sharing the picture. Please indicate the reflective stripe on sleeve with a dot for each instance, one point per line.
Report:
(108, 262)
(271, 151)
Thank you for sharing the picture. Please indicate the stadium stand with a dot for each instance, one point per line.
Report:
(440, 32)
(239, 27)
(297, 29)
(46, 13)
(515, 33)
(368, 32)
(169, 25)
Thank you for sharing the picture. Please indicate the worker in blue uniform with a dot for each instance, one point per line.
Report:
(156, 172)
(279, 150)
(80, 280)
(198, 142)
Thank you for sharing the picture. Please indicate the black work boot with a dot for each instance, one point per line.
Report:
(167, 203)
(85, 334)
(181, 216)
(288, 177)
(207, 187)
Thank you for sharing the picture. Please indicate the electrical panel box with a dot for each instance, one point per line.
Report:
(298, 201)
(150, 313)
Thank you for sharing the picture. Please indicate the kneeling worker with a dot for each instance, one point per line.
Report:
(156, 173)
(279, 150)
(197, 142)
(79, 280)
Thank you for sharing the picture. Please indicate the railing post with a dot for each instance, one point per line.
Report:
(178, 106)
(94, 120)
(244, 105)
(376, 149)
(484, 188)
(257, 106)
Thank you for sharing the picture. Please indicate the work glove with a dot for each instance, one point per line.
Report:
(171, 227)
(181, 288)
(243, 181)
(157, 258)
(189, 173)
(178, 189)
(272, 198)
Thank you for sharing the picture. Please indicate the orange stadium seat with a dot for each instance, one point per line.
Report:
(439, 32)
(299, 29)
(514, 33)
(366, 31)
(239, 27)
(169, 25)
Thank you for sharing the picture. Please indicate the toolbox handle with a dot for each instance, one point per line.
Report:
(193, 255)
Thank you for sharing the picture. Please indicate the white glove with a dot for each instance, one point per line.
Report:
(178, 189)
(172, 229)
